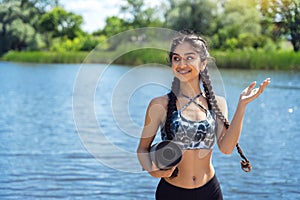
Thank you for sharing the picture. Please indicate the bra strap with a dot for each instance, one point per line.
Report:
(192, 100)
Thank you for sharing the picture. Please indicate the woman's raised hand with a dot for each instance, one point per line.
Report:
(250, 93)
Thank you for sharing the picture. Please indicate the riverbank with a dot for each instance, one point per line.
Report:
(251, 59)
(44, 57)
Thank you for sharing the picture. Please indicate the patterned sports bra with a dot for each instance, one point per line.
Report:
(192, 134)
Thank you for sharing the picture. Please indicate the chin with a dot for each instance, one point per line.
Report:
(186, 78)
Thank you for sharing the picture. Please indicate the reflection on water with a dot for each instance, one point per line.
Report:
(42, 155)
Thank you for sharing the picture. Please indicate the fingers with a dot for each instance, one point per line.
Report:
(263, 85)
(251, 86)
(156, 172)
(251, 93)
(154, 167)
(266, 82)
(169, 172)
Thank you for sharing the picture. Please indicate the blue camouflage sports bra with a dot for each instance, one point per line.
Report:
(191, 134)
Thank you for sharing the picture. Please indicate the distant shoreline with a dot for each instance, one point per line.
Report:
(238, 59)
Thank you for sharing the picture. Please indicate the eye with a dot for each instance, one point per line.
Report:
(190, 58)
(176, 58)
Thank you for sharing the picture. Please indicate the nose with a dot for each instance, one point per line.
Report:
(183, 62)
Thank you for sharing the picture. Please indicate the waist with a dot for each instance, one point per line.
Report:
(194, 170)
(191, 182)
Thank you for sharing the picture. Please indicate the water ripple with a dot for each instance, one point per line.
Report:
(42, 156)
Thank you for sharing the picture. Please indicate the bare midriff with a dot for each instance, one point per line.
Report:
(194, 170)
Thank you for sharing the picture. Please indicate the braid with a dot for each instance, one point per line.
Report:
(212, 98)
(171, 106)
(212, 103)
(200, 45)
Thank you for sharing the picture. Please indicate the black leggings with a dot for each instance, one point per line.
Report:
(210, 191)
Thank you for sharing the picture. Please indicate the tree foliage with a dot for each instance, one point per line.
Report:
(61, 23)
(198, 15)
(18, 29)
(114, 25)
(137, 14)
(240, 25)
(290, 10)
(228, 24)
(284, 18)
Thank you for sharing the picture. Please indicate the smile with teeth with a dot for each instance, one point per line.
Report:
(183, 71)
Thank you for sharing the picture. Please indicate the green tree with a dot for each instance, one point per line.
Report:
(284, 16)
(197, 15)
(267, 8)
(60, 23)
(138, 15)
(18, 26)
(43, 5)
(290, 16)
(113, 26)
(240, 20)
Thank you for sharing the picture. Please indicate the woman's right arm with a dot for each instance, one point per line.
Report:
(155, 115)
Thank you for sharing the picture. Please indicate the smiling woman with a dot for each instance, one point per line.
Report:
(196, 119)
(182, 65)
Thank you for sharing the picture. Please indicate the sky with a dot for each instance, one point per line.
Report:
(94, 12)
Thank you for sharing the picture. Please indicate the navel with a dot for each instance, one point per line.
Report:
(194, 178)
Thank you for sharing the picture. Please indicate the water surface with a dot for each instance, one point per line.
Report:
(43, 156)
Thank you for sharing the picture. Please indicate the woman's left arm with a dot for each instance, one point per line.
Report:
(228, 138)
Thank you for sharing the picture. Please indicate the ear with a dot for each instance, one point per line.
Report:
(203, 65)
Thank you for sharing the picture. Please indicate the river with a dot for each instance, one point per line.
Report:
(49, 148)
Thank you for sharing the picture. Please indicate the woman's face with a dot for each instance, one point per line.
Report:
(186, 63)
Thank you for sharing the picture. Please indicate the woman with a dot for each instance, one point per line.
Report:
(195, 118)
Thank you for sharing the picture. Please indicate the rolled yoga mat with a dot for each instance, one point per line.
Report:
(165, 154)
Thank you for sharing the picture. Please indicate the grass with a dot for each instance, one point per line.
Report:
(246, 59)
(45, 57)
(277, 60)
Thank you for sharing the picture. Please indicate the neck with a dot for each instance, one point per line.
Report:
(191, 88)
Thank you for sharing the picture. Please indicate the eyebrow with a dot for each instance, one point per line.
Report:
(189, 53)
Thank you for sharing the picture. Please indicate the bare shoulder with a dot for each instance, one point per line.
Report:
(157, 108)
(161, 101)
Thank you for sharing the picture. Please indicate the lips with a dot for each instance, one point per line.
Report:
(184, 71)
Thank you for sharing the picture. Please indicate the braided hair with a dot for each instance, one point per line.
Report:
(211, 98)
(201, 47)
